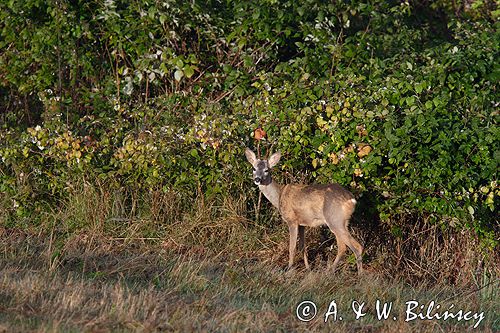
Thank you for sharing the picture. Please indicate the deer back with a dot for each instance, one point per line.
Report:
(311, 205)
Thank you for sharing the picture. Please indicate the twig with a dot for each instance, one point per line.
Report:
(134, 238)
(464, 293)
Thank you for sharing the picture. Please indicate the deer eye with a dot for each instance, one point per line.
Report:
(266, 170)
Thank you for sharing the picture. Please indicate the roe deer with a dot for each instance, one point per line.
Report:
(308, 206)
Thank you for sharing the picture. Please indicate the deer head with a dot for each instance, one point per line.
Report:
(262, 168)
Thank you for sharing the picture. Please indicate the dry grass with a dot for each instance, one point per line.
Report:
(98, 285)
(114, 262)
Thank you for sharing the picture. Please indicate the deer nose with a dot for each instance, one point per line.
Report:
(257, 180)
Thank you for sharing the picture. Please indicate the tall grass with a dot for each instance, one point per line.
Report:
(112, 260)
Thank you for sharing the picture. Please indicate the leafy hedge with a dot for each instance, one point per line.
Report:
(397, 101)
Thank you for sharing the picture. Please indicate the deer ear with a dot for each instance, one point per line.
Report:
(250, 156)
(274, 159)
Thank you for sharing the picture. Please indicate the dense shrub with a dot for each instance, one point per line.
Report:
(398, 102)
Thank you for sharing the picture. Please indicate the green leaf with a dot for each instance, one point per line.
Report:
(194, 153)
(242, 42)
(419, 87)
(410, 100)
(188, 71)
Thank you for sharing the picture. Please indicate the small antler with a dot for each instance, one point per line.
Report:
(269, 151)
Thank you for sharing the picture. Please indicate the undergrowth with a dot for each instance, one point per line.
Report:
(110, 261)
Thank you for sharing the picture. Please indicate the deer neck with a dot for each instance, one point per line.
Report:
(272, 192)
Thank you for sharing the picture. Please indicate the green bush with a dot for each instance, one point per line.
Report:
(373, 96)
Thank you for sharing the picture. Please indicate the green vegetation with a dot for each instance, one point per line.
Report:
(125, 121)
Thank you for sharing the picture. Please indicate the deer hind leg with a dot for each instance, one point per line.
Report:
(302, 246)
(339, 228)
(340, 251)
(354, 245)
(293, 229)
(358, 252)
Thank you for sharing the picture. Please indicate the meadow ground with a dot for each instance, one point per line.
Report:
(213, 270)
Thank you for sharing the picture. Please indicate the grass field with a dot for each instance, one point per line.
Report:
(214, 270)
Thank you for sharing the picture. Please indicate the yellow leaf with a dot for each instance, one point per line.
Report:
(315, 163)
(364, 150)
(334, 158)
(329, 111)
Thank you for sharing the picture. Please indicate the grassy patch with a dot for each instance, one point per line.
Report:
(97, 283)
(115, 261)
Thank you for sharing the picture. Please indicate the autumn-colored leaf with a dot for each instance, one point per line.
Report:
(358, 172)
(259, 134)
(364, 150)
(361, 130)
(334, 158)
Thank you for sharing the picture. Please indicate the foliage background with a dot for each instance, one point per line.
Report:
(125, 199)
(398, 101)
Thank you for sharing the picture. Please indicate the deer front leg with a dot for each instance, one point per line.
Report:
(302, 246)
(293, 229)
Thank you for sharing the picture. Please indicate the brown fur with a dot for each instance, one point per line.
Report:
(309, 206)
